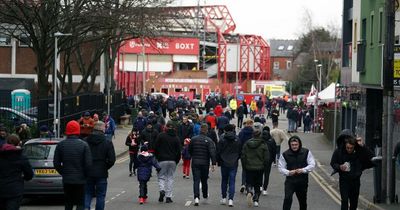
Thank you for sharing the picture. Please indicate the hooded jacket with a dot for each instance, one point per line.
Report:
(300, 159)
(145, 162)
(244, 135)
(13, 164)
(168, 147)
(103, 155)
(148, 135)
(255, 155)
(228, 150)
(359, 160)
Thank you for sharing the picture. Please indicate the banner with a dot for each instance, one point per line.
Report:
(162, 45)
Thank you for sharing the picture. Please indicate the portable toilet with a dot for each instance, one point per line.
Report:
(21, 99)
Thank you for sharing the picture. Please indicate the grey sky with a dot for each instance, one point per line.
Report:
(279, 19)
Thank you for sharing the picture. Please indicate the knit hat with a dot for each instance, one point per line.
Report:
(257, 129)
(144, 148)
(73, 128)
(187, 141)
(87, 114)
(229, 127)
(99, 126)
(44, 128)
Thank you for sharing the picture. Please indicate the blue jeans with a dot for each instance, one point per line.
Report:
(228, 177)
(100, 185)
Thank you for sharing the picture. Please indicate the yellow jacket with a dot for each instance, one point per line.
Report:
(233, 104)
(253, 106)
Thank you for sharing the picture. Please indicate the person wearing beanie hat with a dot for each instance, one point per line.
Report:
(148, 136)
(145, 162)
(86, 125)
(72, 160)
(296, 163)
(255, 157)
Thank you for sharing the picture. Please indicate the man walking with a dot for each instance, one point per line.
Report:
(168, 153)
(279, 136)
(202, 150)
(255, 157)
(103, 156)
(295, 163)
(228, 153)
(72, 159)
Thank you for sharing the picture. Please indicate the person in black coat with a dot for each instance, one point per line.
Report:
(149, 136)
(202, 150)
(350, 159)
(145, 162)
(72, 159)
(132, 141)
(14, 169)
(185, 129)
(103, 156)
(239, 114)
(266, 136)
(228, 154)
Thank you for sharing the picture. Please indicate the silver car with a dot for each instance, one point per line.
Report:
(46, 180)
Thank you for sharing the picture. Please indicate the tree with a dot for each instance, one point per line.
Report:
(101, 24)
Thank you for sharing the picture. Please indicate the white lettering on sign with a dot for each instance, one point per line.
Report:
(162, 45)
(184, 46)
(175, 80)
(133, 44)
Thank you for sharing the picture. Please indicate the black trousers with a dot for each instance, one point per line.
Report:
(240, 122)
(74, 194)
(132, 161)
(200, 174)
(254, 182)
(12, 203)
(298, 187)
(349, 191)
(267, 171)
(143, 189)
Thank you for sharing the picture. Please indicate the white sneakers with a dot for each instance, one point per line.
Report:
(264, 192)
(230, 203)
(196, 201)
(223, 201)
(255, 204)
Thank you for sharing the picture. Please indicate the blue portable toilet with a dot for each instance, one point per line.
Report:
(21, 99)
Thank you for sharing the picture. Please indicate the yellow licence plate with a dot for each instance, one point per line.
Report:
(46, 172)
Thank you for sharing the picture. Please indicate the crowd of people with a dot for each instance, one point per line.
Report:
(202, 138)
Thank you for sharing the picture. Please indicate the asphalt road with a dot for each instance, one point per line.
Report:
(123, 193)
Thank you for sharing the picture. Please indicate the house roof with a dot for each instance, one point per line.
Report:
(283, 47)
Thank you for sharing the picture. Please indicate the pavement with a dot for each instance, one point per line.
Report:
(322, 149)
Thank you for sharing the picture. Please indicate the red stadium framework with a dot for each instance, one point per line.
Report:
(217, 19)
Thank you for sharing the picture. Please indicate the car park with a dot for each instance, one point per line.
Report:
(46, 179)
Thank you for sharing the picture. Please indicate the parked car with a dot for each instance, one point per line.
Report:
(157, 94)
(13, 117)
(46, 179)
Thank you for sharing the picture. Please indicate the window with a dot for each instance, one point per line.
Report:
(372, 30)
(281, 47)
(24, 40)
(355, 37)
(276, 65)
(290, 48)
(288, 64)
(364, 29)
(5, 40)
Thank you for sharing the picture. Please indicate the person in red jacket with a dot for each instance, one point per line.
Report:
(212, 119)
(218, 110)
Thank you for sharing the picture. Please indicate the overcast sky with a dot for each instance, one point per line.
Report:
(279, 19)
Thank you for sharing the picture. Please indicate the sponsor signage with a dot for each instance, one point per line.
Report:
(162, 45)
(396, 66)
(177, 80)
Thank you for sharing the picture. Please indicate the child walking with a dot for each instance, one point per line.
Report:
(145, 162)
(186, 158)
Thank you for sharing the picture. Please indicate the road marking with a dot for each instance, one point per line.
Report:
(122, 159)
(112, 198)
(188, 203)
(334, 198)
(118, 194)
(123, 192)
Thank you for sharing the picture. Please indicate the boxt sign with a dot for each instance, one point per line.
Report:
(162, 45)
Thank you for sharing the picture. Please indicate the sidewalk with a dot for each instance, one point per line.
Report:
(119, 140)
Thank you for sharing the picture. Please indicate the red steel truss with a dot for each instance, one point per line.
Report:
(217, 19)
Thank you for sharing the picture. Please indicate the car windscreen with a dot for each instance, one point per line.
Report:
(39, 151)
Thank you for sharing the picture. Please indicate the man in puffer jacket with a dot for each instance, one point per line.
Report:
(202, 150)
(255, 157)
(14, 169)
(72, 159)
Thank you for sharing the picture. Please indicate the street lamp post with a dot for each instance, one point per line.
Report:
(56, 105)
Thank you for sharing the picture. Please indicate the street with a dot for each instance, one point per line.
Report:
(123, 191)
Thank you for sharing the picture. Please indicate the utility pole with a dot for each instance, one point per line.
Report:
(387, 114)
